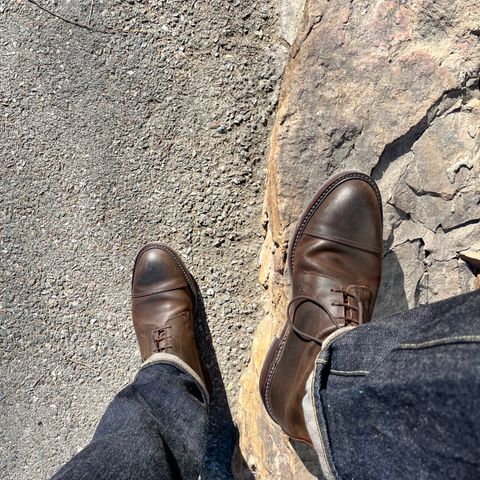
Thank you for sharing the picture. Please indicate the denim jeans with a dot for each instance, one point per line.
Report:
(154, 428)
(398, 398)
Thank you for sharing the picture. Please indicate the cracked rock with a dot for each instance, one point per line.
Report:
(390, 88)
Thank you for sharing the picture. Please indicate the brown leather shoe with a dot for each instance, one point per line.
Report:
(164, 299)
(335, 260)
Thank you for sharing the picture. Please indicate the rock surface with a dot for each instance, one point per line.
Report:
(390, 88)
(290, 13)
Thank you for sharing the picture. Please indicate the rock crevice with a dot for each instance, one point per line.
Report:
(391, 89)
(445, 104)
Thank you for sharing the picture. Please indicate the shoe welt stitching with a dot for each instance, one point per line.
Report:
(272, 370)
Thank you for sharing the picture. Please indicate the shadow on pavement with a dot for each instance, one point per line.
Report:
(222, 435)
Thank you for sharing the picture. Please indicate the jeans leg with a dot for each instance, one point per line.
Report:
(400, 397)
(154, 428)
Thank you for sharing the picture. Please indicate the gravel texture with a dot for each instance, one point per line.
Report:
(150, 122)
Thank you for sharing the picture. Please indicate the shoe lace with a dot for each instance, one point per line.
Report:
(346, 305)
(160, 335)
(296, 302)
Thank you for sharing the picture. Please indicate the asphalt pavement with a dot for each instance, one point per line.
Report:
(122, 122)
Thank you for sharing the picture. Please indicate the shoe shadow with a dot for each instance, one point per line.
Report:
(309, 458)
(391, 297)
(222, 437)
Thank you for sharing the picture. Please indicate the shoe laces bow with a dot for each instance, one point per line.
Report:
(296, 302)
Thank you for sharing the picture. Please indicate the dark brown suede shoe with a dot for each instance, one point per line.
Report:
(335, 260)
(164, 299)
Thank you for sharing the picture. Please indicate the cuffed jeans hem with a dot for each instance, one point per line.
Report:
(169, 359)
(314, 418)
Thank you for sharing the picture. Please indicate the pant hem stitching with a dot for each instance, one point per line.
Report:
(169, 359)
